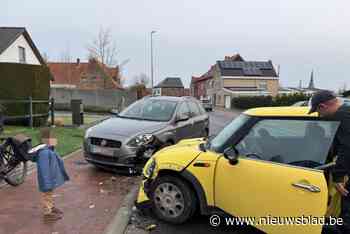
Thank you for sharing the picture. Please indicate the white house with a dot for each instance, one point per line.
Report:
(16, 46)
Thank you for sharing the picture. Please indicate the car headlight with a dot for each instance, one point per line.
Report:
(149, 168)
(139, 140)
(87, 133)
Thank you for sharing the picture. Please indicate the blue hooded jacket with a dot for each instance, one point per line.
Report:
(50, 170)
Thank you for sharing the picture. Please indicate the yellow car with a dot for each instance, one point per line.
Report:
(268, 163)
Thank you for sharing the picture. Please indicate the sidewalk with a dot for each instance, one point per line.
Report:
(89, 201)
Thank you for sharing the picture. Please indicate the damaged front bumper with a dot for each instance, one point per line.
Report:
(143, 203)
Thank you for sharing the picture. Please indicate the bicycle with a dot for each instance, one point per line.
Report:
(13, 159)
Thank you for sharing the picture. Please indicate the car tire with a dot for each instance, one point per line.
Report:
(18, 176)
(173, 200)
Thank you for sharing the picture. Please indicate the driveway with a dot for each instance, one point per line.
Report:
(89, 201)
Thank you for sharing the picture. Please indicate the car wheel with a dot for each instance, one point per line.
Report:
(173, 200)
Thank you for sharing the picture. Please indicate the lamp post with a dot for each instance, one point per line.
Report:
(152, 59)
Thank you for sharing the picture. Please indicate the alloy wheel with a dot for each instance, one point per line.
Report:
(169, 200)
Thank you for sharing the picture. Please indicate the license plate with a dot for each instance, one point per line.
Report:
(102, 150)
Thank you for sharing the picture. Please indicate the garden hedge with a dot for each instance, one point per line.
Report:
(21, 81)
(246, 102)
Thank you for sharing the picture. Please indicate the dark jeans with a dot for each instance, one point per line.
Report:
(345, 215)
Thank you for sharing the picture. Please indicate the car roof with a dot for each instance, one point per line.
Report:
(285, 111)
(170, 98)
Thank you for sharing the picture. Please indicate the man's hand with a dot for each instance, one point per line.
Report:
(341, 189)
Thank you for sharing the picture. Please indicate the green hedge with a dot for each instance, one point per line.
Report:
(246, 102)
(21, 81)
(287, 100)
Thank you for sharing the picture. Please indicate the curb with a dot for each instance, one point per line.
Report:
(32, 168)
(121, 219)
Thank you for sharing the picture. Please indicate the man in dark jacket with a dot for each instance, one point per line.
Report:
(329, 106)
(51, 174)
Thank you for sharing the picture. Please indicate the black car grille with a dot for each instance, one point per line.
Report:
(108, 143)
(109, 159)
(103, 158)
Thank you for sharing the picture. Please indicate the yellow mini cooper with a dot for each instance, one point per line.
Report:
(268, 162)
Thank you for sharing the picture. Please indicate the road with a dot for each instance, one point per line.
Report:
(219, 119)
(198, 224)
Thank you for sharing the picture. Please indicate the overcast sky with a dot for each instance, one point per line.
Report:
(298, 35)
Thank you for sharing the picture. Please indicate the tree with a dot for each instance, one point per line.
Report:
(122, 80)
(66, 59)
(66, 56)
(46, 57)
(103, 47)
(142, 78)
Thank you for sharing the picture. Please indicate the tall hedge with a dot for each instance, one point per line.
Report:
(246, 102)
(21, 81)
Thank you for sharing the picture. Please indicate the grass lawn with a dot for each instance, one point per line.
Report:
(67, 120)
(69, 139)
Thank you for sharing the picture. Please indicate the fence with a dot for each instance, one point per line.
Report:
(30, 114)
(108, 99)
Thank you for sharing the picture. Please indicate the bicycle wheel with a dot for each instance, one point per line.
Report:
(17, 170)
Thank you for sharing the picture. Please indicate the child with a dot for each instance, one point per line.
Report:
(51, 174)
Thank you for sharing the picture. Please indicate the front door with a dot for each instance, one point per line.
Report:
(198, 120)
(276, 185)
(184, 128)
(227, 102)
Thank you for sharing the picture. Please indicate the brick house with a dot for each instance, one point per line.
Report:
(91, 75)
(234, 77)
(199, 84)
(170, 86)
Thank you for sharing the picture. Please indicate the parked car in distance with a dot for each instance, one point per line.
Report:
(207, 104)
(268, 162)
(116, 141)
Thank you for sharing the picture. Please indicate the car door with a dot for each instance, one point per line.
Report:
(184, 128)
(280, 184)
(197, 118)
(203, 119)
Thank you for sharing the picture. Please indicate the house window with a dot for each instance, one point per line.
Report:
(157, 92)
(22, 54)
(263, 85)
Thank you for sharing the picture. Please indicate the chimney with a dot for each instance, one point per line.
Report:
(78, 61)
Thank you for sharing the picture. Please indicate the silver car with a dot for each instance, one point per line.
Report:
(207, 104)
(116, 141)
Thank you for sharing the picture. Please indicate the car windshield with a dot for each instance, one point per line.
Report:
(218, 141)
(150, 109)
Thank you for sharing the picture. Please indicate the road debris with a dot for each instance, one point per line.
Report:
(151, 227)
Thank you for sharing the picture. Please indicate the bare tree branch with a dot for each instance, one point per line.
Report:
(103, 47)
(141, 79)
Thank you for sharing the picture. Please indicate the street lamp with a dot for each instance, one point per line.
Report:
(152, 59)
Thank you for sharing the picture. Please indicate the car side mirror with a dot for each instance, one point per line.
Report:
(182, 117)
(114, 112)
(231, 154)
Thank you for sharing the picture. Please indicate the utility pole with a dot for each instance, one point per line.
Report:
(152, 59)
